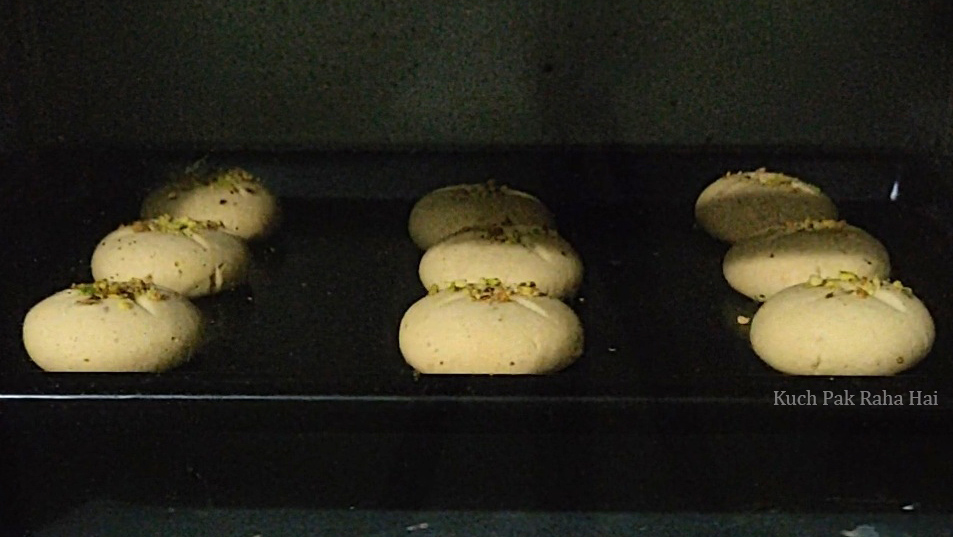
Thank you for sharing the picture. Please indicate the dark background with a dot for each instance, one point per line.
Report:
(341, 74)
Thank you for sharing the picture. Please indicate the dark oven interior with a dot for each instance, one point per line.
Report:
(300, 416)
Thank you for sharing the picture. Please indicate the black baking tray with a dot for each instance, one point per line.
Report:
(319, 317)
(318, 320)
(300, 398)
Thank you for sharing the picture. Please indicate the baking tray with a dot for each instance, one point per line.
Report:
(318, 320)
(301, 399)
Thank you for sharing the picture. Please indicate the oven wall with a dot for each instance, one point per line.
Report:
(282, 74)
(11, 73)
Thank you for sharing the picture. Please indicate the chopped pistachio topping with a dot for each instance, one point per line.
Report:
(811, 225)
(487, 189)
(850, 283)
(490, 187)
(490, 289)
(166, 224)
(506, 233)
(774, 179)
(231, 178)
(529, 289)
(130, 290)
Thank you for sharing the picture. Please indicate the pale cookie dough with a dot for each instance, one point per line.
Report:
(761, 266)
(741, 205)
(447, 210)
(190, 257)
(513, 254)
(132, 326)
(490, 329)
(233, 197)
(843, 326)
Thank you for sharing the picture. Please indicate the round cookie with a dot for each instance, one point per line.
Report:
(788, 255)
(189, 257)
(131, 326)
(233, 197)
(513, 254)
(741, 205)
(447, 210)
(490, 329)
(843, 326)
